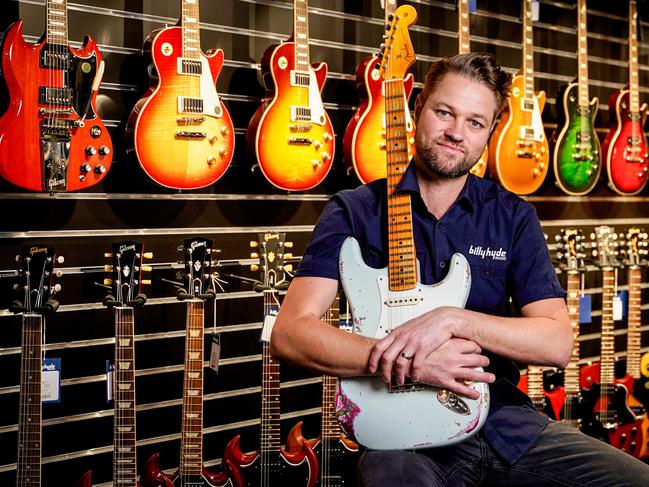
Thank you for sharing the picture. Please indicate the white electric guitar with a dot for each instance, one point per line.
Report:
(413, 415)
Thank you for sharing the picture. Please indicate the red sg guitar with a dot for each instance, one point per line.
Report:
(625, 145)
(51, 138)
(365, 135)
(182, 133)
(271, 464)
(546, 402)
(290, 133)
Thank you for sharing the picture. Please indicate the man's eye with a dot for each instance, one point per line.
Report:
(475, 124)
(443, 113)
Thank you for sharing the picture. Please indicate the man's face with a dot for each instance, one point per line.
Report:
(453, 126)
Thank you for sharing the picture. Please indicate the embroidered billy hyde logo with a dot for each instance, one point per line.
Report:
(499, 254)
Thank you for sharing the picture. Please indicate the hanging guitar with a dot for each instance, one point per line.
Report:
(364, 139)
(625, 145)
(183, 134)
(337, 454)
(198, 254)
(611, 420)
(125, 281)
(577, 149)
(51, 138)
(518, 147)
(290, 133)
(532, 384)
(272, 464)
(36, 267)
(368, 410)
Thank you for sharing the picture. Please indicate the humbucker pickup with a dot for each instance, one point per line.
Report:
(527, 132)
(527, 104)
(190, 105)
(190, 66)
(54, 96)
(55, 56)
(300, 78)
(300, 114)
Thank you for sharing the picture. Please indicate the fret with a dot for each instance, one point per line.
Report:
(634, 96)
(571, 373)
(190, 29)
(607, 359)
(582, 54)
(57, 22)
(528, 50)
(301, 34)
(464, 38)
(634, 323)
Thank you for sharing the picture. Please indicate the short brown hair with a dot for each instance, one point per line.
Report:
(478, 66)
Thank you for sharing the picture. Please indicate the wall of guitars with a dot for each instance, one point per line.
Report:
(132, 193)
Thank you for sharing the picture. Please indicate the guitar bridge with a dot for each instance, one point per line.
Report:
(407, 386)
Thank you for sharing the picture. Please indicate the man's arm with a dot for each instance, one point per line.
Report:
(541, 336)
(301, 338)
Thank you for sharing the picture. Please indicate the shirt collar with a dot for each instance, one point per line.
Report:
(468, 197)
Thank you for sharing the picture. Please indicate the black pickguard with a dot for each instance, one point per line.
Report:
(275, 471)
(340, 468)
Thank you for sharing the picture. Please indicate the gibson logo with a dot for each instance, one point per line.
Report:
(499, 254)
(270, 236)
(54, 183)
(124, 248)
(37, 250)
(197, 244)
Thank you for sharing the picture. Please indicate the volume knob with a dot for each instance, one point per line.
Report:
(104, 150)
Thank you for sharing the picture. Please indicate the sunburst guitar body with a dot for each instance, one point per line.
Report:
(183, 134)
(518, 150)
(365, 136)
(290, 132)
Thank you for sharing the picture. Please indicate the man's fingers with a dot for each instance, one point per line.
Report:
(377, 352)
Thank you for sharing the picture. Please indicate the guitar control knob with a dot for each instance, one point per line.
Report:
(104, 150)
(211, 160)
(225, 130)
(85, 168)
(326, 156)
(327, 136)
(316, 164)
(223, 152)
(90, 151)
(100, 169)
(317, 144)
(212, 139)
(535, 172)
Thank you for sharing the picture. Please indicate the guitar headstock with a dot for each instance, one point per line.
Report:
(272, 257)
(35, 274)
(634, 247)
(198, 253)
(569, 250)
(605, 242)
(397, 53)
(125, 273)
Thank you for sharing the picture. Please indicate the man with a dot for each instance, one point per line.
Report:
(500, 236)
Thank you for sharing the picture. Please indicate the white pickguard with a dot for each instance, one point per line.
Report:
(315, 100)
(211, 101)
(383, 420)
(537, 121)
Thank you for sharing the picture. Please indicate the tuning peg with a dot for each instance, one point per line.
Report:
(557, 238)
(288, 268)
(145, 282)
(146, 268)
(108, 268)
(288, 245)
(592, 236)
(108, 282)
(148, 255)
(254, 255)
(594, 253)
(108, 255)
(60, 259)
(382, 46)
(56, 288)
(180, 248)
(387, 26)
(288, 255)
(559, 255)
(254, 267)
(254, 244)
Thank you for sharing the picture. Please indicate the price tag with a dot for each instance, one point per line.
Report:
(51, 380)
(267, 329)
(215, 352)
(110, 380)
(617, 308)
(585, 309)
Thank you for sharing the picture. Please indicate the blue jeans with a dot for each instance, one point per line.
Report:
(563, 456)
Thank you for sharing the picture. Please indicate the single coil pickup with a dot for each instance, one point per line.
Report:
(301, 78)
(633, 140)
(55, 56)
(190, 66)
(190, 105)
(299, 141)
(300, 127)
(300, 114)
(55, 111)
(524, 154)
(189, 120)
(185, 134)
(583, 137)
(54, 96)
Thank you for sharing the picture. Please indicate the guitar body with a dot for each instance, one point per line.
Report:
(518, 148)
(575, 410)
(552, 401)
(46, 153)
(85, 480)
(178, 149)
(625, 147)
(294, 155)
(154, 477)
(577, 150)
(366, 408)
(364, 140)
(297, 468)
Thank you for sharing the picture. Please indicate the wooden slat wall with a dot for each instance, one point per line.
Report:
(78, 430)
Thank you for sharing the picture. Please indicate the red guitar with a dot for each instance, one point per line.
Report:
(35, 276)
(183, 134)
(51, 138)
(549, 403)
(364, 140)
(625, 145)
(290, 133)
(271, 464)
(198, 261)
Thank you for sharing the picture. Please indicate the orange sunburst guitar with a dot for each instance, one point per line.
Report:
(364, 140)
(464, 41)
(290, 132)
(518, 149)
(183, 134)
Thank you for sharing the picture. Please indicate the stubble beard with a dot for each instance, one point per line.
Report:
(443, 168)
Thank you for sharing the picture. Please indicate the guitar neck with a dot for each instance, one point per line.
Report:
(57, 22)
(191, 444)
(330, 427)
(607, 359)
(535, 382)
(30, 419)
(402, 268)
(582, 54)
(633, 325)
(571, 373)
(634, 95)
(124, 448)
(528, 49)
(190, 29)
(270, 412)
(301, 34)
(463, 37)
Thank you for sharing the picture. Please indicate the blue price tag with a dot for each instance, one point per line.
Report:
(624, 296)
(585, 309)
(51, 380)
(110, 381)
(473, 6)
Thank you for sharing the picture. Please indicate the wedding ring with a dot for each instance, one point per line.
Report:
(406, 356)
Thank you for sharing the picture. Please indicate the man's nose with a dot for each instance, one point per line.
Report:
(455, 130)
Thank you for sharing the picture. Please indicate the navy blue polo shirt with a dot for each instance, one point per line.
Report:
(501, 237)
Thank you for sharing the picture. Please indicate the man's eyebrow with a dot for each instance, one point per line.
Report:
(445, 106)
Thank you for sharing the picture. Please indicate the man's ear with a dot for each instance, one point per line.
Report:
(418, 107)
